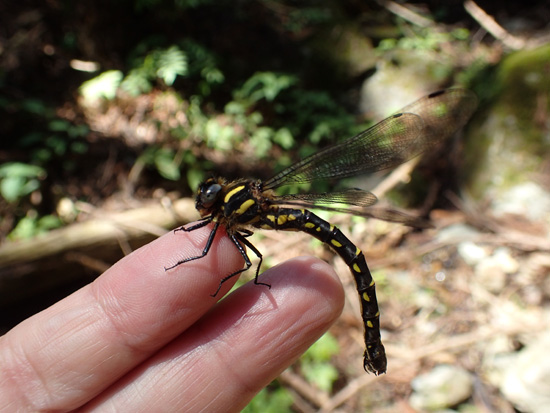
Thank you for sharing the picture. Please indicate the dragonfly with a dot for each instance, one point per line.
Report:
(242, 205)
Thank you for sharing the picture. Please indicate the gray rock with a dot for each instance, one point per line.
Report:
(527, 199)
(445, 386)
(526, 382)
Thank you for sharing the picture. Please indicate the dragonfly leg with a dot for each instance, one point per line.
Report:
(236, 238)
(202, 223)
(206, 247)
(259, 255)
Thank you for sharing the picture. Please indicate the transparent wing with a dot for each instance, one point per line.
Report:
(358, 202)
(352, 196)
(396, 139)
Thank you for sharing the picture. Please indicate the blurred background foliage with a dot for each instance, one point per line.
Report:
(184, 88)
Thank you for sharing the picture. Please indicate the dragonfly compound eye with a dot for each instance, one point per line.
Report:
(210, 194)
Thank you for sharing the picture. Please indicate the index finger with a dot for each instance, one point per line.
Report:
(67, 354)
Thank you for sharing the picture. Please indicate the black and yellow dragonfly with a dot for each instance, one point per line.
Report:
(244, 204)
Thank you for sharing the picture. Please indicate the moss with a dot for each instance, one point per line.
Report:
(508, 141)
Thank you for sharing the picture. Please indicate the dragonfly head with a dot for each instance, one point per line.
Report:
(208, 197)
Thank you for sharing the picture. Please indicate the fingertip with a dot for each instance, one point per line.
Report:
(306, 297)
(261, 331)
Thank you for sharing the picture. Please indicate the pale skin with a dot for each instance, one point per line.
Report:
(143, 339)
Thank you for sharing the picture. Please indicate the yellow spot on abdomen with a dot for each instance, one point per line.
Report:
(282, 219)
(335, 243)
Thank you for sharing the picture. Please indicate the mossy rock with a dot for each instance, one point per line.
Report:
(508, 140)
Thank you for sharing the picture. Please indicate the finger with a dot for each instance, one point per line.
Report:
(67, 354)
(238, 348)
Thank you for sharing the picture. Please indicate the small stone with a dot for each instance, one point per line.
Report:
(490, 275)
(508, 263)
(491, 272)
(471, 253)
(527, 199)
(456, 231)
(445, 386)
(526, 383)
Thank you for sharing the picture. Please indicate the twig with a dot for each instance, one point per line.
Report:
(490, 24)
(349, 391)
(314, 396)
(407, 14)
(152, 219)
(85, 260)
(399, 175)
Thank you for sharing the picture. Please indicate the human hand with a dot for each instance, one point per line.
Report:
(142, 339)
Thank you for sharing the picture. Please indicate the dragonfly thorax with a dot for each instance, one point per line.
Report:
(231, 203)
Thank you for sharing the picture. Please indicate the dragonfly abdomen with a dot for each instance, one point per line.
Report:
(286, 219)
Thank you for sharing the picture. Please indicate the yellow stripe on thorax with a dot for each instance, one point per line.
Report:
(233, 192)
(244, 206)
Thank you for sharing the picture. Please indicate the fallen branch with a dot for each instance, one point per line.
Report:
(31, 266)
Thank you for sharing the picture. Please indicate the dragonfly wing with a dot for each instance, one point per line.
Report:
(352, 196)
(358, 202)
(386, 144)
(396, 139)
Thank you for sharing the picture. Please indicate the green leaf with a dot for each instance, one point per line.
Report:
(234, 108)
(164, 161)
(21, 169)
(261, 141)
(315, 362)
(79, 147)
(47, 223)
(212, 75)
(270, 401)
(323, 375)
(219, 136)
(24, 229)
(18, 180)
(11, 188)
(31, 225)
(194, 177)
(77, 131)
(323, 349)
(103, 86)
(172, 62)
(59, 125)
(137, 82)
(284, 138)
(264, 85)
(35, 106)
